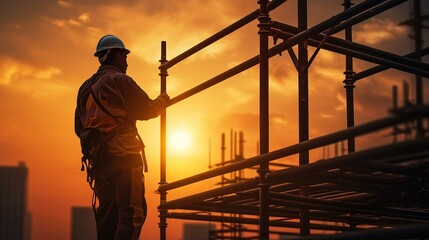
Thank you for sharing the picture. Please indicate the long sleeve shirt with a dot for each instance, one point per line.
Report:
(121, 97)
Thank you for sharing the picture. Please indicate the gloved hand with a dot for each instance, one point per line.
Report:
(163, 99)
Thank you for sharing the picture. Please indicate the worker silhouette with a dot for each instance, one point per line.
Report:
(108, 106)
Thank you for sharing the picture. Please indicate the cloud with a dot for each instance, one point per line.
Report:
(240, 97)
(375, 31)
(84, 17)
(64, 4)
(71, 22)
(40, 83)
(148, 27)
(13, 71)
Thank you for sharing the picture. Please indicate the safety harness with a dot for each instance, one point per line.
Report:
(94, 147)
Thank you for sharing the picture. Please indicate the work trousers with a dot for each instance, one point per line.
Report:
(122, 205)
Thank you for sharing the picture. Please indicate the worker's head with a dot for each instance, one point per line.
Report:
(111, 51)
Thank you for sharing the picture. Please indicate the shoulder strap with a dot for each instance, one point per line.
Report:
(98, 101)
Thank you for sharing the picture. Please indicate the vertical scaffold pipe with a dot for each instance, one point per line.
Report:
(303, 108)
(264, 30)
(222, 148)
(418, 23)
(163, 176)
(349, 84)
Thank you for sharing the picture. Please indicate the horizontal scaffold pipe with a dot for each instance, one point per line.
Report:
(329, 23)
(380, 68)
(228, 189)
(219, 35)
(412, 114)
(416, 231)
(215, 80)
(302, 36)
(295, 201)
(286, 212)
(366, 15)
(252, 221)
(288, 31)
(388, 167)
(374, 59)
(293, 173)
(364, 53)
(383, 152)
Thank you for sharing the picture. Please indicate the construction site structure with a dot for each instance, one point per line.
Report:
(231, 230)
(375, 193)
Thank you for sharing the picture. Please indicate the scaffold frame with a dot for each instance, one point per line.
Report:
(352, 196)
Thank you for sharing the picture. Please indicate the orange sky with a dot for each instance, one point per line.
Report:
(46, 49)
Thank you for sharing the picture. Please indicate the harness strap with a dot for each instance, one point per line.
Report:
(94, 203)
(145, 165)
(99, 103)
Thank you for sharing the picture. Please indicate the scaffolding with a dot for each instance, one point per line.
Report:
(380, 192)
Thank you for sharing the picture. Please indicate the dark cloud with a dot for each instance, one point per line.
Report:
(282, 71)
(19, 12)
(28, 32)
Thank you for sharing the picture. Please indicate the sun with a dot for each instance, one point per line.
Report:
(180, 140)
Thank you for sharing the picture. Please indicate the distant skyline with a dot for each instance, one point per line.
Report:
(83, 223)
(15, 219)
(46, 52)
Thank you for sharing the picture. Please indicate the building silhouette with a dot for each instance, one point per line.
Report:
(83, 224)
(197, 231)
(14, 218)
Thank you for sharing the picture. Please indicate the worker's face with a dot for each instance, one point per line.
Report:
(122, 61)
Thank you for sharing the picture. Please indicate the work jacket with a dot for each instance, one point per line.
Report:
(121, 97)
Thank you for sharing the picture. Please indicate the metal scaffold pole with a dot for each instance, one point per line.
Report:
(303, 107)
(349, 84)
(418, 49)
(264, 31)
(163, 176)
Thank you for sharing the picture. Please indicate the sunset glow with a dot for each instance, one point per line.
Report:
(180, 140)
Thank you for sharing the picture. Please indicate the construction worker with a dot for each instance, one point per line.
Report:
(111, 102)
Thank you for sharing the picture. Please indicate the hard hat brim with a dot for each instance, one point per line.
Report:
(99, 52)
